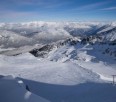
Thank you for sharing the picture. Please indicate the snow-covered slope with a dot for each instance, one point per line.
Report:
(108, 34)
(55, 81)
(60, 62)
(14, 90)
(73, 50)
(29, 67)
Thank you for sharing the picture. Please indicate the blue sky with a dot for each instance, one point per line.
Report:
(57, 10)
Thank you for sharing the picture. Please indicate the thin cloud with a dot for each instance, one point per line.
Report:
(12, 10)
(16, 14)
(33, 3)
(91, 6)
(109, 8)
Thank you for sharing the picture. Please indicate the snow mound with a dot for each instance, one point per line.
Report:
(13, 90)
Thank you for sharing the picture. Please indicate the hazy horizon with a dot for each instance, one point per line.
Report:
(34, 21)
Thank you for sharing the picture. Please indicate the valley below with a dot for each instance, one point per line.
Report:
(58, 62)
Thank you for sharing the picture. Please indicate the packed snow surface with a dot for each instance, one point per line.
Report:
(54, 81)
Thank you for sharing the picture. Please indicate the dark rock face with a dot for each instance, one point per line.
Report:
(1, 76)
(43, 51)
(34, 52)
(109, 31)
(113, 43)
(92, 40)
(46, 48)
(111, 48)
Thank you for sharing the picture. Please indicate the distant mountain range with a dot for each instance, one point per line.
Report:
(20, 34)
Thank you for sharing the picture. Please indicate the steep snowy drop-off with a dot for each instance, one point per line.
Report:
(90, 57)
(98, 57)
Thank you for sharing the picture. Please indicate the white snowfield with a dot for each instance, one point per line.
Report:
(90, 57)
(42, 70)
(55, 81)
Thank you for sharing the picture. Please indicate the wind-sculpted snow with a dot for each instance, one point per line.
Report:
(14, 90)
